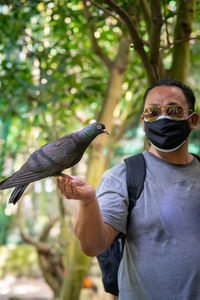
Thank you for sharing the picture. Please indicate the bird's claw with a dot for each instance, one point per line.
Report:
(67, 178)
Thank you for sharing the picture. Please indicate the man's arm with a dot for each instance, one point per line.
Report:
(94, 235)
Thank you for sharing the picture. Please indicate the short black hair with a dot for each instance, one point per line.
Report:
(189, 95)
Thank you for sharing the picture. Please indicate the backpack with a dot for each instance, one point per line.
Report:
(109, 260)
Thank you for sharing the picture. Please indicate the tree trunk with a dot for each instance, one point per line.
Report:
(77, 270)
(181, 50)
(113, 95)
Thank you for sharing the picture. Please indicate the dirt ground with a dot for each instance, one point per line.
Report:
(36, 289)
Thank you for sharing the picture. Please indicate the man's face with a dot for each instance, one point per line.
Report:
(166, 95)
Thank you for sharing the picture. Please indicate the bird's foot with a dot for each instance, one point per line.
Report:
(66, 176)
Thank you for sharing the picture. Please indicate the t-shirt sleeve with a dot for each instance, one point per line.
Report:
(113, 197)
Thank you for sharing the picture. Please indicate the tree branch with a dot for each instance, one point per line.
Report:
(95, 45)
(147, 14)
(47, 229)
(178, 42)
(166, 25)
(40, 246)
(156, 23)
(137, 41)
(106, 11)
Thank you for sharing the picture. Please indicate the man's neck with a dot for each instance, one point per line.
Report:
(180, 156)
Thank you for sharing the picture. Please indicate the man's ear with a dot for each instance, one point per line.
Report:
(194, 120)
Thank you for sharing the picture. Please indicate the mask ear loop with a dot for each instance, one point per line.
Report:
(190, 115)
(195, 127)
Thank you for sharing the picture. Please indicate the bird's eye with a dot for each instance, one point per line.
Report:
(99, 127)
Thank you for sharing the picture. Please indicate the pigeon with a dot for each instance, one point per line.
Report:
(51, 159)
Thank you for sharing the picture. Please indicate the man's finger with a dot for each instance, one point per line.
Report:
(60, 181)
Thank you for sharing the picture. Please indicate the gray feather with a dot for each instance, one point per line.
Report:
(52, 158)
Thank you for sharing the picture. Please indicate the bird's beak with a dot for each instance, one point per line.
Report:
(106, 131)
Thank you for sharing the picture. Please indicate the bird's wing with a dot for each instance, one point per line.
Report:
(53, 157)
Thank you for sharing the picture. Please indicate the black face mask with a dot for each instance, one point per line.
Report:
(167, 135)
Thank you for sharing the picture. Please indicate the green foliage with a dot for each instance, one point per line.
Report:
(5, 225)
(18, 260)
(48, 72)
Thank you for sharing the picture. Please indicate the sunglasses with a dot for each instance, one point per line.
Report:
(174, 111)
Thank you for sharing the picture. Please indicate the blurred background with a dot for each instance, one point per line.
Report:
(64, 64)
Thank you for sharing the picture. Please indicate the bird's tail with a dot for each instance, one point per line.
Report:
(16, 194)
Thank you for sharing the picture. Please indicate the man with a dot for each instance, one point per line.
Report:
(161, 258)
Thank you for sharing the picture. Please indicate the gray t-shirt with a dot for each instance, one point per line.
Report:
(161, 258)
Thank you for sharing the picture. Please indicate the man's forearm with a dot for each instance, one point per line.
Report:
(90, 228)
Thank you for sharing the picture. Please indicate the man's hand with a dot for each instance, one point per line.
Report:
(74, 187)
(94, 235)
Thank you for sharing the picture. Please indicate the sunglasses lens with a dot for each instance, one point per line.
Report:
(151, 113)
(176, 112)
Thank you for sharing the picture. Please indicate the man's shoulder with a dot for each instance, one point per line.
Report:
(116, 170)
(120, 168)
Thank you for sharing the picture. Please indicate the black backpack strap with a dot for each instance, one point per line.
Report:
(110, 259)
(135, 176)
